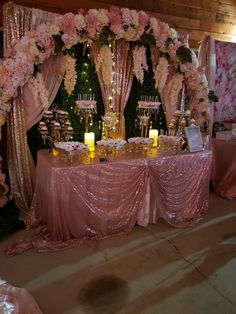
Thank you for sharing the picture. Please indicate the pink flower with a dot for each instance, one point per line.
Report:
(92, 23)
(126, 16)
(44, 40)
(68, 23)
(70, 40)
(160, 31)
(143, 18)
(173, 47)
(115, 20)
(163, 33)
(143, 21)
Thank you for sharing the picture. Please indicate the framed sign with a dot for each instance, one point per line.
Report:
(194, 138)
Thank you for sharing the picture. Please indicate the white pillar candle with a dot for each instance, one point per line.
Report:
(89, 139)
(153, 133)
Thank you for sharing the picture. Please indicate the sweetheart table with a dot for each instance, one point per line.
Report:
(77, 202)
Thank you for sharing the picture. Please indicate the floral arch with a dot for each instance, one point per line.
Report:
(174, 64)
(103, 27)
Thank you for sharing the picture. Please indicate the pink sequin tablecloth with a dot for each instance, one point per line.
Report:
(16, 300)
(77, 202)
(224, 168)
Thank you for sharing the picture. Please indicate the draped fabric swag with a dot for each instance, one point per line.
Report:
(24, 114)
(123, 68)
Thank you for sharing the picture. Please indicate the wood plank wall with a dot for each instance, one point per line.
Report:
(196, 17)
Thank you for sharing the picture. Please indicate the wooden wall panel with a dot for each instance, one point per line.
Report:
(196, 17)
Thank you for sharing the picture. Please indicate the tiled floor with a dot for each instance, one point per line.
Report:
(157, 269)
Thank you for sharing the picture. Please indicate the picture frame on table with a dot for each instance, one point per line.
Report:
(194, 138)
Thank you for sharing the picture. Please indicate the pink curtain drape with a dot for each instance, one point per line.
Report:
(123, 79)
(207, 62)
(122, 51)
(168, 108)
(17, 21)
(52, 70)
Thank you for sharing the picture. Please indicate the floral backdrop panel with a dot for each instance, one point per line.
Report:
(225, 108)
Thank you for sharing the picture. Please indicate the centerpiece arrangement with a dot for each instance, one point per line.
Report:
(55, 127)
(86, 107)
(147, 106)
(110, 148)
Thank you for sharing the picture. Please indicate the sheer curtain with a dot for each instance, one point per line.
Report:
(24, 114)
(168, 108)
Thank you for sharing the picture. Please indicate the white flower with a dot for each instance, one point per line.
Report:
(103, 18)
(153, 22)
(140, 62)
(39, 91)
(54, 29)
(161, 73)
(70, 74)
(173, 34)
(203, 80)
(194, 59)
(79, 21)
(135, 20)
(103, 62)
(174, 87)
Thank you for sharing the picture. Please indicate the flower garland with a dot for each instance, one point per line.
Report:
(103, 61)
(103, 26)
(140, 62)
(70, 74)
(161, 73)
(39, 91)
(174, 87)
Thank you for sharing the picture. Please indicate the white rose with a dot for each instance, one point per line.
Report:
(79, 21)
(54, 29)
(173, 34)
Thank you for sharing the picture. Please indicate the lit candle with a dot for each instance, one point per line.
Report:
(89, 139)
(153, 133)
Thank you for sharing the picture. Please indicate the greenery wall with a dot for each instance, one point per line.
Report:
(87, 83)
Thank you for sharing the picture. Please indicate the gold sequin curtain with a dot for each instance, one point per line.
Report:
(17, 21)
